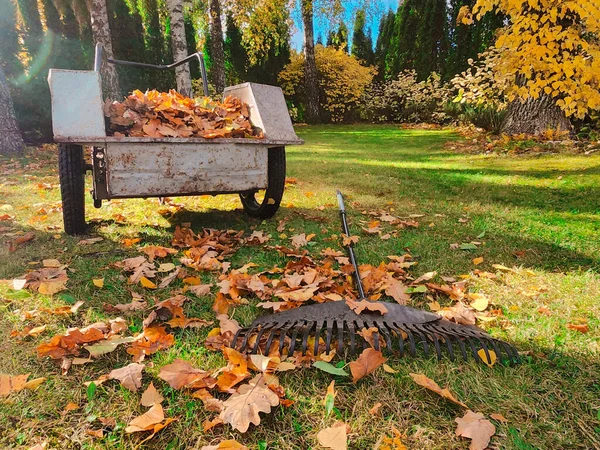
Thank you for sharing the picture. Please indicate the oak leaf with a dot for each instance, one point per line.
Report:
(368, 361)
(476, 427)
(152, 420)
(181, 374)
(243, 407)
(397, 291)
(359, 306)
(156, 251)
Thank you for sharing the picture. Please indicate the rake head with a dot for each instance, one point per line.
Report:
(401, 330)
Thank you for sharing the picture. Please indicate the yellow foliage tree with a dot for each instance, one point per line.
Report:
(342, 80)
(551, 49)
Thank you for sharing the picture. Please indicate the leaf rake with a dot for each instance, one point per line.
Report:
(402, 329)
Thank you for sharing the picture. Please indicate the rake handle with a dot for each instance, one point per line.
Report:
(349, 247)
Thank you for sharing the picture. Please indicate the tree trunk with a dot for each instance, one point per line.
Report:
(101, 33)
(311, 81)
(535, 116)
(216, 42)
(11, 141)
(179, 46)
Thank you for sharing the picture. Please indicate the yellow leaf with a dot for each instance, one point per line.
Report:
(147, 283)
(484, 358)
(98, 282)
(388, 369)
(478, 261)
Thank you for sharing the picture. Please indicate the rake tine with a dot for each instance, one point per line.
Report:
(352, 329)
(272, 335)
(328, 336)
(485, 350)
(473, 350)
(282, 336)
(412, 349)
(237, 335)
(496, 349)
(293, 339)
(400, 332)
(384, 331)
(340, 329)
(307, 331)
(436, 344)
(511, 352)
(318, 329)
(258, 336)
(245, 341)
(448, 339)
(423, 340)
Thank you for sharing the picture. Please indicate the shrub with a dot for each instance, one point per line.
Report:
(342, 81)
(408, 100)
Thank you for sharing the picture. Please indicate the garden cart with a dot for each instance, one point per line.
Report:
(142, 167)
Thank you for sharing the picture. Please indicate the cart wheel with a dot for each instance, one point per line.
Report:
(71, 170)
(274, 192)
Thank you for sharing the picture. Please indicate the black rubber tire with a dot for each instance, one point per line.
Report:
(274, 191)
(71, 171)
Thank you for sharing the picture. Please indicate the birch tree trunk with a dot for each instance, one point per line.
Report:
(179, 46)
(11, 141)
(101, 34)
(216, 41)
(535, 116)
(311, 81)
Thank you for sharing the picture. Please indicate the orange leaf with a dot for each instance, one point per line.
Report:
(368, 361)
(428, 383)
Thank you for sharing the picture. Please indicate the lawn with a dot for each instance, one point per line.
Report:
(537, 215)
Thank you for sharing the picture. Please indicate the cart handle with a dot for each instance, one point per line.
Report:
(100, 53)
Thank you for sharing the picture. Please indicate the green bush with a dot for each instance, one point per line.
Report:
(408, 100)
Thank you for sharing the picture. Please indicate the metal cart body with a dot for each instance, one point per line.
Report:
(130, 167)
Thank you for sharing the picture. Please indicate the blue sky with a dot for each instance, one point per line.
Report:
(322, 25)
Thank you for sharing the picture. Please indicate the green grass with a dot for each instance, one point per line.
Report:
(539, 214)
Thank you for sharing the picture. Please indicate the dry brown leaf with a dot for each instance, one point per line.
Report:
(359, 307)
(476, 427)
(397, 291)
(151, 396)
(477, 261)
(70, 407)
(156, 251)
(428, 383)
(12, 383)
(18, 241)
(349, 240)
(152, 420)
(243, 407)
(229, 444)
(459, 314)
(181, 374)
(199, 290)
(581, 327)
(334, 437)
(368, 361)
(375, 409)
(499, 418)
(153, 339)
(130, 376)
(210, 403)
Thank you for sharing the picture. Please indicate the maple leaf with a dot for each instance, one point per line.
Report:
(428, 383)
(368, 361)
(151, 396)
(181, 374)
(476, 427)
(243, 407)
(334, 437)
(300, 240)
(359, 307)
(130, 376)
(257, 238)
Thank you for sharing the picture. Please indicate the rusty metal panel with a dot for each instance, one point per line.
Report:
(158, 169)
(76, 104)
(268, 110)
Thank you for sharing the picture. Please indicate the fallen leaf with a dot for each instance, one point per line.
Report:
(329, 399)
(107, 346)
(12, 383)
(502, 268)
(397, 291)
(181, 374)
(479, 301)
(581, 327)
(499, 418)
(243, 407)
(130, 376)
(359, 307)
(330, 368)
(482, 355)
(388, 369)
(368, 361)
(229, 444)
(475, 427)
(477, 261)
(156, 251)
(54, 263)
(151, 396)
(375, 409)
(98, 282)
(428, 383)
(152, 420)
(95, 433)
(147, 283)
(15, 243)
(32, 385)
(210, 424)
(70, 407)
(334, 437)
(349, 240)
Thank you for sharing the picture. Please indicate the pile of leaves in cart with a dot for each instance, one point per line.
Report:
(245, 386)
(170, 114)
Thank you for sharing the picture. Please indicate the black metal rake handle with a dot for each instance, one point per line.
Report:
(100, 53)
(350, 247)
